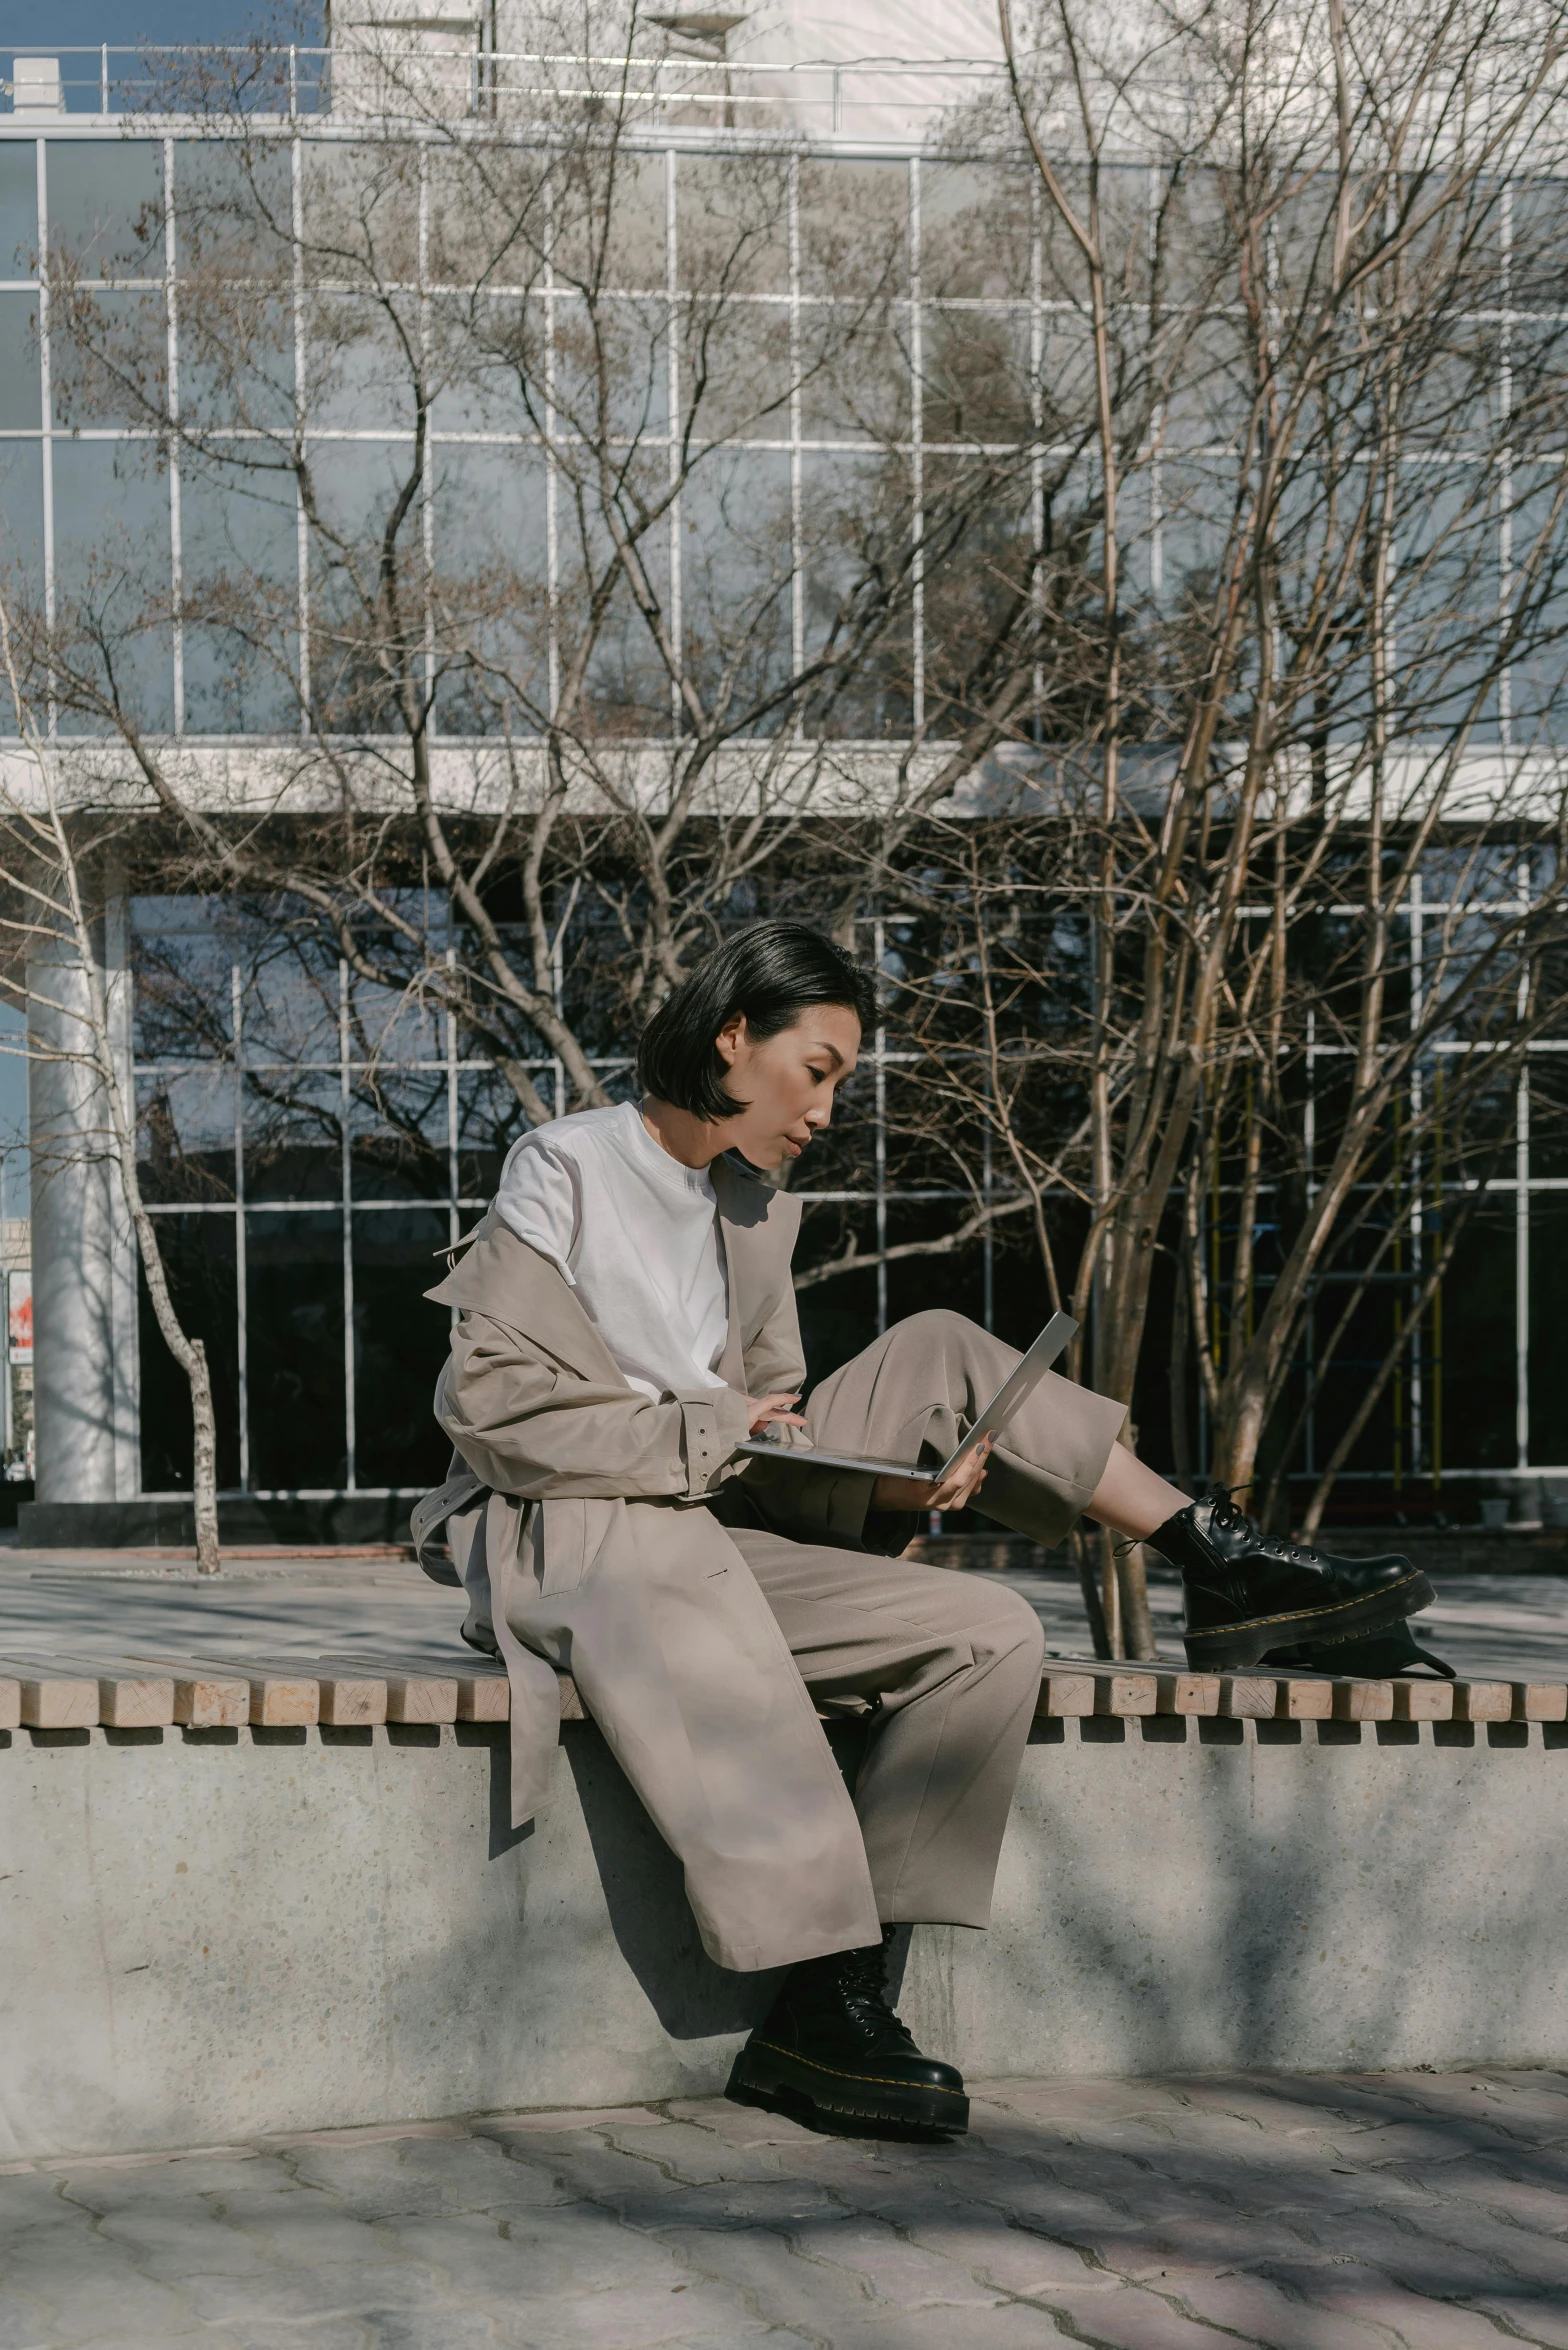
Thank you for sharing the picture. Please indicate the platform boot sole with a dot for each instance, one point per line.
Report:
(1224, 1646)
(781, 2082)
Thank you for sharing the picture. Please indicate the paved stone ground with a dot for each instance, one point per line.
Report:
(54, 1605)
(1418, 2212)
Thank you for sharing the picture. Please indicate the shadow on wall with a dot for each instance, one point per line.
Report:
(645, 1895)
(650, 1916)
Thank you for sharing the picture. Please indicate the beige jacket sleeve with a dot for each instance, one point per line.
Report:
(529, 1426)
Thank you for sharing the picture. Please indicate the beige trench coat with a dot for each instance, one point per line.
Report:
(570, 1512)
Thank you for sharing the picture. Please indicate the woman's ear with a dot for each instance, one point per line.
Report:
(729, 1040)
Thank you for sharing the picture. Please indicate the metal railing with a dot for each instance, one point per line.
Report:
(372, 70)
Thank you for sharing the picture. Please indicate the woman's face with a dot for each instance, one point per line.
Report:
(787, 1082)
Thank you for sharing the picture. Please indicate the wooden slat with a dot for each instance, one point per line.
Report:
(284, 1701)
(10, 1704)
(483, 1697)
(135, 1701)
(572, 1708)
(52, 1702)
(351, 1702)
(421, 1697)
(211, 1701)
(1420, 1700)
(1363, 1701)
(1126, 1694)
(1483, 1701)
(1067, 1694)
(1189, 1693)
(1305, 1700)
(1248, 1697)
(1540, 1701)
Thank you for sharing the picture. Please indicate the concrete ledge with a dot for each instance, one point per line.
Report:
(212, 1933)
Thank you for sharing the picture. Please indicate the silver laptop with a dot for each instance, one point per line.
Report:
(1015, 1389)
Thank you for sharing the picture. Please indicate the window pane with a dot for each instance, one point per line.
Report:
(185, 1136)
(109, 358)
(293, 1136)
(359, 485)
(1548, 1326)
(400, 1343)
(233, 207)
(106, 206)
(361, 362)
(112, 564)
(627, 681)
(486, 349)
(290, 1004)
(854, 229)
(361, 212)
(18, 208)
(737, 574)
(397, 1130)
(241, 601)
(975, 231)
(21, 546)
(1475, 1365)
(198, 1260)
(856, 558)
(237, 365)
(492, 589)
(183, 953)
(732, 222)
(294, 1329)
(19, 382)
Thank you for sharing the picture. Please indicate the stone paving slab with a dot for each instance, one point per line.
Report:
(1410, 2212)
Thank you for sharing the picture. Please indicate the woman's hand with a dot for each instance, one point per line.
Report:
(955, 1493)
(773, 1411)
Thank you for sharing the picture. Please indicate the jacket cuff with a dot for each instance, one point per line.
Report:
(891, 1531)
(713, 1421)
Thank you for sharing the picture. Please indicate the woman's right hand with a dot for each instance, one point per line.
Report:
(773, 1411)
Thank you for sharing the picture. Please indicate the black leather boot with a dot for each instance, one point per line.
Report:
(1247, 1592)
(832, 2043)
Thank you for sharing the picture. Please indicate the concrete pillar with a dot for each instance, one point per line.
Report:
(85, 1356)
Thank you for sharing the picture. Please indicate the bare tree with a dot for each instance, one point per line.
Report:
(485, 672)
(1306, 631)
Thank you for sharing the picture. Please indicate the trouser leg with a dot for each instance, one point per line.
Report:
(954, 1662)
(914, 1391)
(955, 1665)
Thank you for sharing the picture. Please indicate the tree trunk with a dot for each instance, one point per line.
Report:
(1137, 1622)
(191, 1355)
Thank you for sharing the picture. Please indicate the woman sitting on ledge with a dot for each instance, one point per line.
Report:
(626, 1319)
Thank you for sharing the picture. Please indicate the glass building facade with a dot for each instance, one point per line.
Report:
(311, 1143)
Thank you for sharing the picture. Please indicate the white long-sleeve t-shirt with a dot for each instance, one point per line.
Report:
(637, 1236)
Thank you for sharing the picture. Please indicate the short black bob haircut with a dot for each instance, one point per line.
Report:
(771, 972)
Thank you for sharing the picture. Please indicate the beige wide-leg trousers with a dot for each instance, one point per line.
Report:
(948, 1664)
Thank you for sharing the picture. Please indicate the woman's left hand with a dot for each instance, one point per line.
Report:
(955, 1493)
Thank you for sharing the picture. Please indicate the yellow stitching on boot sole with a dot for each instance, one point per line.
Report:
(1300, 1614)
(875, 2080)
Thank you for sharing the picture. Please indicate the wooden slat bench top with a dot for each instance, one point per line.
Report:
(71, 1693)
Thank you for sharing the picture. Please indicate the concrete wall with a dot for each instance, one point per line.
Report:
(258, 1930)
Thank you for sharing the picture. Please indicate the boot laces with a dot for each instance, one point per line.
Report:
(862, 1977)
(1230, 1520)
